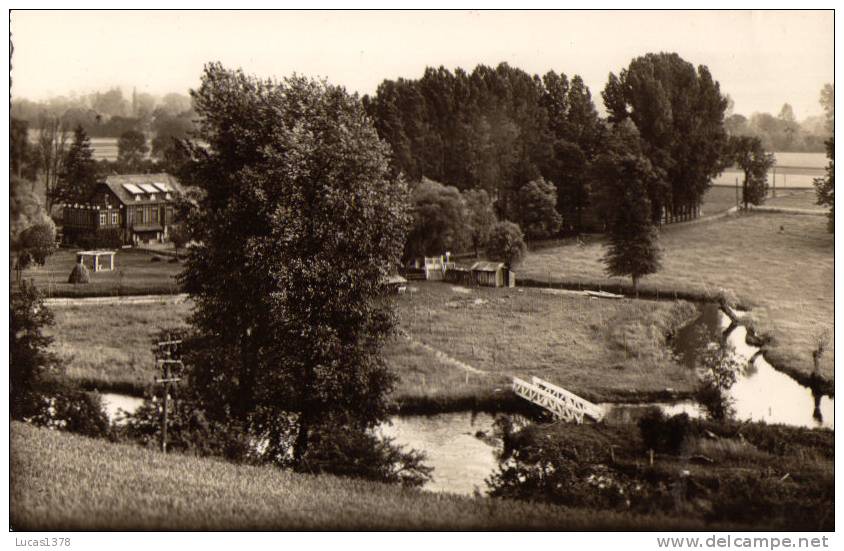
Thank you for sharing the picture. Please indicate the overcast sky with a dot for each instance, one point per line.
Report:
(761, 59)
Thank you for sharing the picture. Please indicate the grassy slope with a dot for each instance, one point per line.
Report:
(599, 348)
(134, 273)
(802, 199)
(65, 482)
(787, 276)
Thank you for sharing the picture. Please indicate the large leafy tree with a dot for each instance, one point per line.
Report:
(534, 208)
(679, 113)
(79, 171)
(299, 223)
(825, 187)
(440, 220)
(749, 155)
(506, 244)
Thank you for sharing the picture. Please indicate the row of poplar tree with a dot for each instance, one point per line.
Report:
(501, 129)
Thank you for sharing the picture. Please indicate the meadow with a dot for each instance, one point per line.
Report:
(61, 481)
(460, 346)
(135, 273)
(780, 265)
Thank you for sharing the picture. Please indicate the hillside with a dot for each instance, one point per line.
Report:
(66, 482)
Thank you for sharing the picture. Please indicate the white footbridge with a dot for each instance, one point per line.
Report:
(565, 405)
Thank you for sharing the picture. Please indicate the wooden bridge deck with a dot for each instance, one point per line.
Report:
(563, 404)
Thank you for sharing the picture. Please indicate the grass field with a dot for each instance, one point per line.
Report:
(718, 199)
(605, 350)
(60, 481)
(601, 349)
(786, 275)
(135, 273)
(109, 346)
(802, 199)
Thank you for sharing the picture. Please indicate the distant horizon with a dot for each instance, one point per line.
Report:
(762, 59)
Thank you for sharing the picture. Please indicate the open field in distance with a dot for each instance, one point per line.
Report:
(780, 264)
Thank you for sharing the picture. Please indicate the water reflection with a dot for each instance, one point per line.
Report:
(760, 393)
(461, 460)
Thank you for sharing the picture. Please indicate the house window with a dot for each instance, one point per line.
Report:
(114, 218)
(152, 197)
(155, 214)
(137, 197)
(103, 219)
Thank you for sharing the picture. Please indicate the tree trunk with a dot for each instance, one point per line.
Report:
(635, 282)
(300, 446)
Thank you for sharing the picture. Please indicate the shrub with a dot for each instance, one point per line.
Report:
(664, 434)
(79, 274)
(356, 453)
(71, 410)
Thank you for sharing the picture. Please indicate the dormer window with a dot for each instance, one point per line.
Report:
(137, 197)
(152, 197)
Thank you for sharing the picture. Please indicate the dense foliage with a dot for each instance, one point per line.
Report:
(825, 187)
(494, 129)
(750, 157)
(79, 173)
(678, 112)
(299, 223)
(506, 244)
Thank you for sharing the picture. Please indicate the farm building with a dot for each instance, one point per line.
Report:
(492, 274)
(139, 207)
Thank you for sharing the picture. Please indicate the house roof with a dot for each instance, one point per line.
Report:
(122, 184)
(485, 266)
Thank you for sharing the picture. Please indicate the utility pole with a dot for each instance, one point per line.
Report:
(167, 357)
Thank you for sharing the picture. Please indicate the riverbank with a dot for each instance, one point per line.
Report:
(702, 470)
(126, 487)
(780, 266)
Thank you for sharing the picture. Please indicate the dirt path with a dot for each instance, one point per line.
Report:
(139, 299)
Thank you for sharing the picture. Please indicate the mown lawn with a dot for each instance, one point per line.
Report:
(782, 265)
(602, 349)
(60, 481)
(135, 273)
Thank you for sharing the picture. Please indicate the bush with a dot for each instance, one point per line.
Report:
(347, 451)
(71, 410)
(79, 274)
(189, 431)
(663, 434)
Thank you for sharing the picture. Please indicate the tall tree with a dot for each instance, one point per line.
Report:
(624, 176)
(679, 113)
(828, 104)
(79, 170)
(300, 222)
(29, 354)
(131, 150)
(20, 151)
(481, 217)
(825, 187)
(747, 152)
(51, 145)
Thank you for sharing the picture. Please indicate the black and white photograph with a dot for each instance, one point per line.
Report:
(379, 271)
